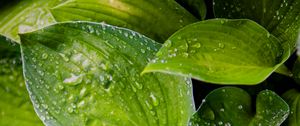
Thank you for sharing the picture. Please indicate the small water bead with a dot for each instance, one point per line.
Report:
(168, 43)
(65, 58)
(240, 107)
(154, 100)
(222, 109)
(143, 51)
(220, 123)
(74, 79)
(221, 45)
(197, 45)
(44, 56)
(222, 21)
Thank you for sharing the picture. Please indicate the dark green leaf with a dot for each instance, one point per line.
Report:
(232, 106)
(25, 15)
(84, 73)
(221, 51)
(15, 106)
(157, 19)
(279, 17)
(197, 7)
(296, 71)
(284, 70)
(292, 97)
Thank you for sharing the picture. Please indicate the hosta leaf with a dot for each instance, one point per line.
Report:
(232, 106)
(89, 74)
(196, 7)
(157, 19)
(296, 71)
(280, 17)
(221, 51)
(15, 106)
(292, 97)
(25, 15)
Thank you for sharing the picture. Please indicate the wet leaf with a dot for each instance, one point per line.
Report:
(279, 17)
(230, 106)
(292, 97)
(25, 15)
(221, 51)
(15, 106)
(89, 74)
(157, 19)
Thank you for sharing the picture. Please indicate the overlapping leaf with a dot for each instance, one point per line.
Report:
(196, 7)
(221, 51)
(232, 106)
(292, 97)
(157, 19)
(25, 15)
(89, 74)
(280, 17)
(15, 106)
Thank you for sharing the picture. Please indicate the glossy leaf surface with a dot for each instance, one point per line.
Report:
(232, 106)
(25, 15)
(157, 19)
(292, 97)
(279, 17)
(89, 74)
(221, 51)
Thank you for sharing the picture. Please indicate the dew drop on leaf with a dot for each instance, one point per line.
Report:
(73, 80)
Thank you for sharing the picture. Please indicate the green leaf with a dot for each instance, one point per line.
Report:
(284, 70)
(85, 73)
(279, 17)
(197, 7)
(221, 51)
(232, 106)
(15, 106)
(157, 19)
(296, 71)
(25, 15)
(292, 97)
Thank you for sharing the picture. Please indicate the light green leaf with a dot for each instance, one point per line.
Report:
(232, 106)
(25, 15)
(84, 73)
(15, 106)
(197, 7)
(279, 17)
(221, 51)
(292, 97)
(157, 19)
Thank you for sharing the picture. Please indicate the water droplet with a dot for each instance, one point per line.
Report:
(185, 54)
(168, 43)
(148, 105)
(70, 109)
(154, 100)
(44, 56)
(197, 45)
(143, 51)
(240, 107)
(65, 58)
(222, 109)
(277, 12)
(73, 80)
(222, 21)
(138, 85)
(220, 123)
(221, 45)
